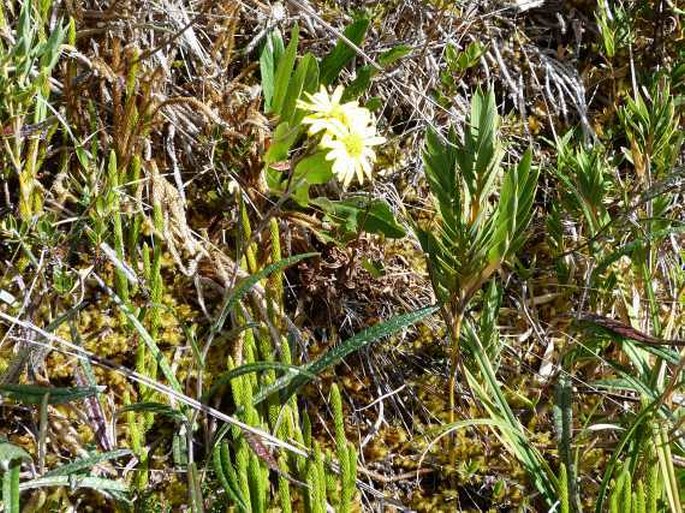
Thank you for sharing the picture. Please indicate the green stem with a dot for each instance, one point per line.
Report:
(455, 322)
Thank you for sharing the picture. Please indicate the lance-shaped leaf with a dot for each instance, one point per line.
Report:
(514, 209)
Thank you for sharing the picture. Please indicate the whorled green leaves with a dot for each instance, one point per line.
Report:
(474, 235)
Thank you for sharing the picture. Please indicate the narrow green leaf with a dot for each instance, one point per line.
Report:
(439, 158)
(337, 59)
(271, 54)
(245, 285)
(335, 355)
(10, 452)
(195, 489)
(95, 483)
(224, 378)
(156, 408)
(51, 50)
(311, 79)
(34, 394)
(284, 70)
(86, 463)
(305, 69)
(10, 489)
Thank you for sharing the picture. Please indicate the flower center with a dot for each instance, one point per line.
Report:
(354, 144)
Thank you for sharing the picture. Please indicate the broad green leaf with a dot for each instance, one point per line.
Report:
(396, 53)
(359, 213)
(343, 218)
(374, 103)
(461, 61)
(283, 138)
(311, 170)
(301, 194)
(274, 179)
(360, 84)
(374, 267)
(337, 59)
(365, 73)
(314, 169)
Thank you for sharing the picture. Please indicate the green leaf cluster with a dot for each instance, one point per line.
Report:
(473, 236)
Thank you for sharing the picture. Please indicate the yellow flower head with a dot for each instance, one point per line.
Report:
(352, 153)
(328, 114)
(349, 133)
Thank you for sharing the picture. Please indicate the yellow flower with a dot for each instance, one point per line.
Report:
(328, 114)
(349, 133)
(352, 153)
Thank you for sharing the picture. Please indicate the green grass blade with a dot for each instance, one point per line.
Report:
(612, 465)
(195, 489)
(154, 407)
(668, 472)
